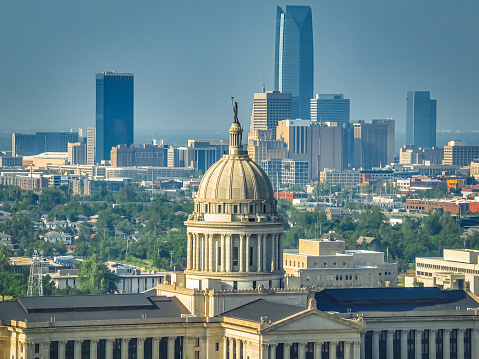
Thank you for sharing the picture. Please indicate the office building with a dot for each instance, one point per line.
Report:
(40, 142)
(343, 178)
(294, 66)
(318, 143)
(457, 153)
(420, 119)
(114, 112)
(330, 108)
(144, 155)
(325, 263)
(91, 145)
(411, 155)
(262, 146)
(77, 153)
(269, 108)
(372, 146)
(287, 172)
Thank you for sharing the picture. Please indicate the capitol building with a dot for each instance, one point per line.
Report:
(233, 302)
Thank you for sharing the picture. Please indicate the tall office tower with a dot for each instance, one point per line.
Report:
(371, 147)
(77, 153)
(420, 119)
(293, 65)
(319, 144)
(91, 146)
(269, 108)
(330, 108)
(391, 140)
(114, 112)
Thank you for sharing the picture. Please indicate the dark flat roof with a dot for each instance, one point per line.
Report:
(90, 307)
(255, 310)
(392, 300)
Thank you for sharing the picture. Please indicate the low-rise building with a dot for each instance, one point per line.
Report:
(456, 269)
(325, 263)
(54, 236)
(425, 205)
(343, 178)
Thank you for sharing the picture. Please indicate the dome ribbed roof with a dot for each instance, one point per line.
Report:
(235, 177)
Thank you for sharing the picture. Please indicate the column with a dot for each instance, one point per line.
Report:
(125, 343)
(155, 351)
(247, 253)
(228, 252)
(317, 350)
(264, 351)
(390, 344)
(375, 344)
(77, 348)
(287, 350)
(404, 344)
(460, 343)
(28, 347)
(432, 343)
(447, 344)
(93, 348)
(259, 255)
(475, 343)
(232, 340)
(332, 350)
(302, 350)
(418, 344)
(347, 349)
(206, 252)
(241, 254)
(238, 348)
(363, 345)
(265, 264)
(273, 252)
(109, 349)
(357, 350)
(61, 349)
(223, 250)
(140, 348)
(171, 348)
(197, 252)
(280, 256)
(189, 251)
(217, 246)
(45, 348)
(210, 254)
(202, 252)
(225, 347)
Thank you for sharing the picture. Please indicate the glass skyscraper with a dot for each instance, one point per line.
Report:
(330, 108)
(420, 119)
(293, 66)
(114, 112)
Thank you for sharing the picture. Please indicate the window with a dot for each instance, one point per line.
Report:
(235, 256)
(217, 347)
(219, 256)
(235, 208)
(250, 256)
(235, 285)
(197, 355)
(37, 348)
(197, 342)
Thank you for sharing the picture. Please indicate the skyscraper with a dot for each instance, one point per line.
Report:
(293, 65)
(421, 119)
(114, 112)
(330, 108)
(269, 108)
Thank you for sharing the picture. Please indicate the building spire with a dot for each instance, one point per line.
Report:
(236, 132)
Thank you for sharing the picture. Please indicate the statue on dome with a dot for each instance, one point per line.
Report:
(235, 109)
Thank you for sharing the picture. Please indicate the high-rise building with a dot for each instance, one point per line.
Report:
(33, 144)
(77, 153)
(371, 143)
(330, 108)
(269, 108)
(420, 119)
(293, 66)
(91, 145)
(114, 112)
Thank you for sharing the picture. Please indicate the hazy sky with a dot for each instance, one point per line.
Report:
(190, 57)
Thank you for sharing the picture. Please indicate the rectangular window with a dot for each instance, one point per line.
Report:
(219, 256)
(250, 256)
(217, 347)
(235, 256)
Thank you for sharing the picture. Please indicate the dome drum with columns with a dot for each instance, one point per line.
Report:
(234, 233)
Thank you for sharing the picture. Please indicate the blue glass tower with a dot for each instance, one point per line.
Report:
(114, 112)
(420, 119)
(293, 65)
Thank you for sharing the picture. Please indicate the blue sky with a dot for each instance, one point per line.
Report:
(190, 57)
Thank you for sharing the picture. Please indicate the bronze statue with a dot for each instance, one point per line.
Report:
(235, 109)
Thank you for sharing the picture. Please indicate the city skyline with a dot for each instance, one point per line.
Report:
(370, 52)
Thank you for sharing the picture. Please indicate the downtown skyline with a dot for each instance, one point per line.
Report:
(189, 60)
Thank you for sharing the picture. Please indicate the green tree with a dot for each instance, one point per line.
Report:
(95, 277)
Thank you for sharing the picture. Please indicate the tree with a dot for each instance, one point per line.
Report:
(94, 277)
(4, 262)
